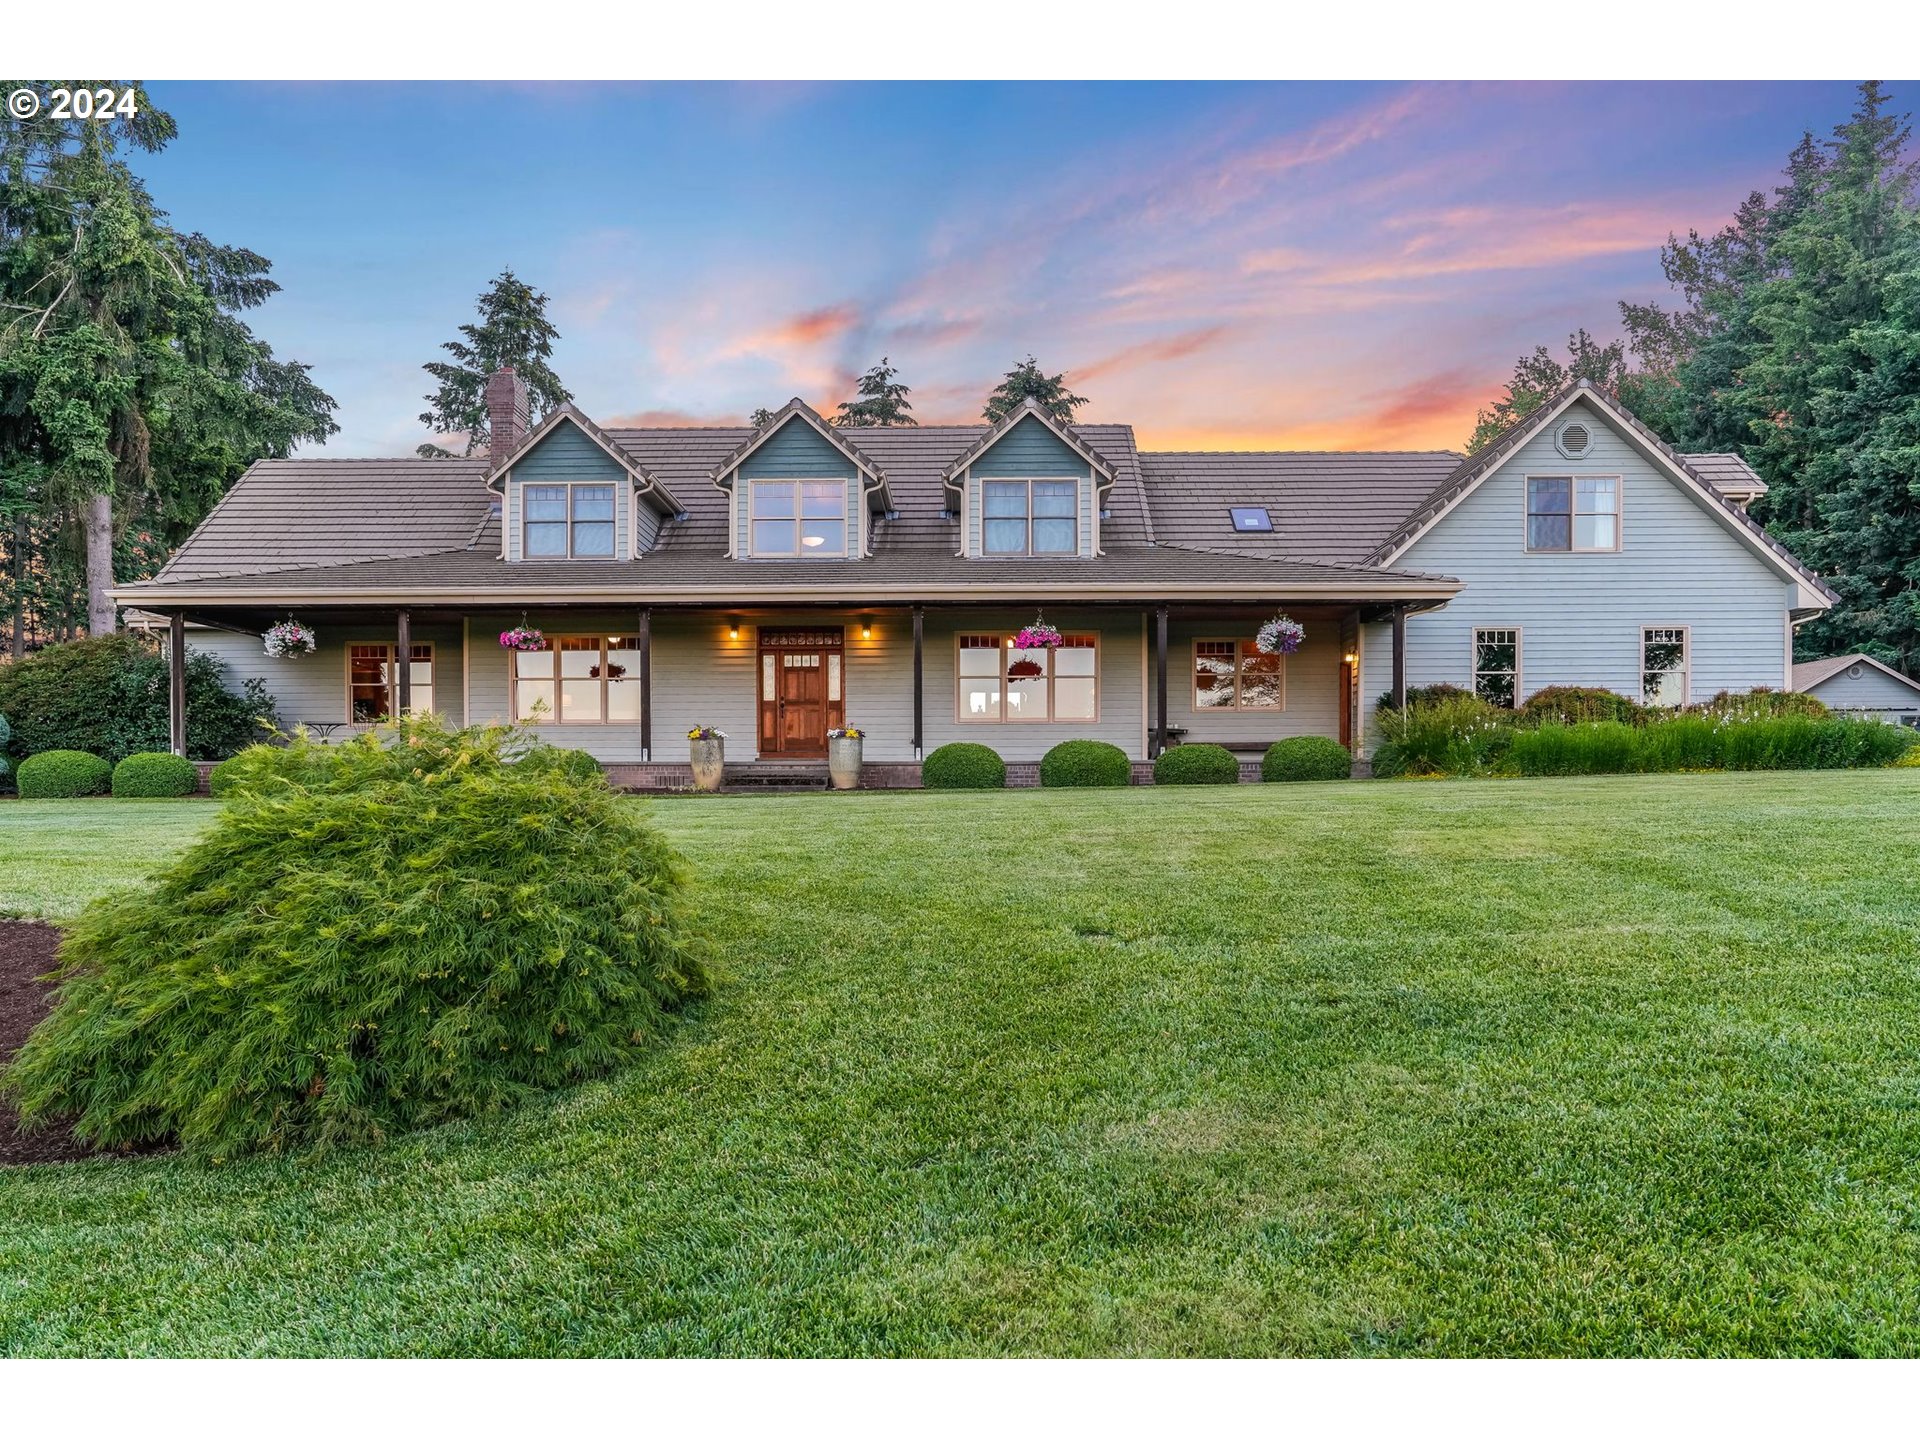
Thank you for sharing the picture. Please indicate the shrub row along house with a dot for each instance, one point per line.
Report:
(781, 581)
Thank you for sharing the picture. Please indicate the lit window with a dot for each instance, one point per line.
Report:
(799, 518)
(579, 680)
(1573, 512)
(1249, 519)
(1031, 517)
(1663, 666)
(370, 682)
(998, 682)
(1496, 667)
(562, 522)
(1237, 675)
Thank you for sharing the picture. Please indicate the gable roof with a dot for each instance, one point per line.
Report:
(798, 409)
(1027, 408)
(639, 473)
(1810, 673)
(1472, 471)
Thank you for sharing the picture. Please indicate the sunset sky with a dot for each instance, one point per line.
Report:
(1292, 266)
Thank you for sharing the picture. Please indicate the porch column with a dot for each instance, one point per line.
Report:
(1159, 682)
(919, 678)
(402, 663)
(646, 684)
(177, 682)
(1400, 657)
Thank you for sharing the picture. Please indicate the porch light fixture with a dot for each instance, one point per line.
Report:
(733, 629)
(1351, 658)
(866, 629)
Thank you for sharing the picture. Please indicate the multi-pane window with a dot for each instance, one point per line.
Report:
(1031, 517)
(370, 682)
(1236, 675)
(999, 682)
(805, 518)
(1573, 512)
(1663, 665)
(579, 680)
(560, 522)
(1496, 667)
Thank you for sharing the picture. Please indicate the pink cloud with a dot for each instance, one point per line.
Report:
(1162, 351)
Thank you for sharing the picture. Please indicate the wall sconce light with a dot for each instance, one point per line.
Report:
(1351, 658)
(733, 629)
(866, 629)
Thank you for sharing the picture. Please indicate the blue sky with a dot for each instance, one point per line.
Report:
(1237, 266)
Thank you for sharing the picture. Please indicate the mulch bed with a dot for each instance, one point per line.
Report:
(26, 953)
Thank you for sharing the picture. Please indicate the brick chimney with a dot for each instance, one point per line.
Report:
(508, 417)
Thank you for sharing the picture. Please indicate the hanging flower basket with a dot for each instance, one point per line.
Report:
(1025, 670)
(289, 640)
(523, 637)
(1280, 636)
(614, 672)
(1037, 636)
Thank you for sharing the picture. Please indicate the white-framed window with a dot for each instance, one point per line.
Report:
(803, 519)
(1665, 665)
(995, 682)
(1030, 517)
(370, 682)
(1573, 513)
(579, 680)
(1496, 665)
(1237, 675)
(566, 522)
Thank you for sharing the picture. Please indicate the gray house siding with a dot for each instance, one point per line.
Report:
(567, 454)
(1029, 451)
(313, 688)
(1312, 684)
(1580, 615)
(1872, 692)
(797, 451)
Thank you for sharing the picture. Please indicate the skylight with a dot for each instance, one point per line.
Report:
(1248, 518)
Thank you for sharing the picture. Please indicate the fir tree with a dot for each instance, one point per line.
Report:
(513, 330)
(1538, 376)
(881, 401)
(1025, 381)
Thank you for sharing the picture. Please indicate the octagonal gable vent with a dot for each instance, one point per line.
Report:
(1575, 439)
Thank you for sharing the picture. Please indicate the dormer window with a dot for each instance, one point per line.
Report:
(1031, 517)
(567, 522)
(799, 519)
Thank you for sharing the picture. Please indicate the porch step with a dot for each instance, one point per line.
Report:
(762, 778)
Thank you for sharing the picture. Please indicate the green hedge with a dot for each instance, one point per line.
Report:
(1307, 757)
(1197, 765)
(155, 774)
(6, 733)
(63, 774)
(1571, 704)
(1697, 742)
(963, 765)
(431, 929)
(1082, 764)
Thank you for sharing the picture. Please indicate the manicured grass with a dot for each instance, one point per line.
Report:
(1540, 1067)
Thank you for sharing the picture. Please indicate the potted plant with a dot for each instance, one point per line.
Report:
(843, 757)
(707, 750)
(523, 637)
(289, 640)
(1280, 636)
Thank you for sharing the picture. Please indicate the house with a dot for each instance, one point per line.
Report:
(780, 581)
(1861, 685)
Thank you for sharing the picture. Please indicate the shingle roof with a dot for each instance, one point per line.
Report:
(796, 406)
(1809, 673)
(1027, 409)
(1728, 474)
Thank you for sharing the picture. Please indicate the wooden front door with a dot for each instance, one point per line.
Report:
(802, 691)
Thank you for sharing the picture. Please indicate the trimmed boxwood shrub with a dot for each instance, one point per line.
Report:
(427, 930)
(155, 774)
(1197, 765)
(963, 766)
(1307, 757)
(63, 774)
(1085, 763)
(1569, 704)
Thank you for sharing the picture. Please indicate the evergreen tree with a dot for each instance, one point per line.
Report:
(760, 418)
(131, 395)
(881, 401)
(1538, 376)
(513, 330)
(1026, 382)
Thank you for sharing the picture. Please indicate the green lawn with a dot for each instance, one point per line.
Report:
(1560, 1067)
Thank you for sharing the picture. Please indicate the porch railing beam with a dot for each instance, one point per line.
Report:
(646, 684)
(919, 679)
(402, 663)
(1159, 682)
(177, 682)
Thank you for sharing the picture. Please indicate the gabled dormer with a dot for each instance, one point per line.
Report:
(1029, 489)
(799, 490)
(569, 492)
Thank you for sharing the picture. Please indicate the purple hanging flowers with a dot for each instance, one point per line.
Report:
(1280, 636)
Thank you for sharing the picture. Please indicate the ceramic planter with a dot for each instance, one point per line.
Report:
(709, 759)
(843, 762)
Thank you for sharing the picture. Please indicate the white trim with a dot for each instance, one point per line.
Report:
(1519, 660)
(613, 551)
(1686, 660)
(1030, 553)
(847, 550)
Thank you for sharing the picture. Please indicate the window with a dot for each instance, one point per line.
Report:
(1573, 512)
(1663, 666)
(1496, 667)
(1031, 517)
(580, 680)
(1235, 675)
(1250, 518)
(562, 522)
(370, 682)
(803, 518)
(998, 682)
